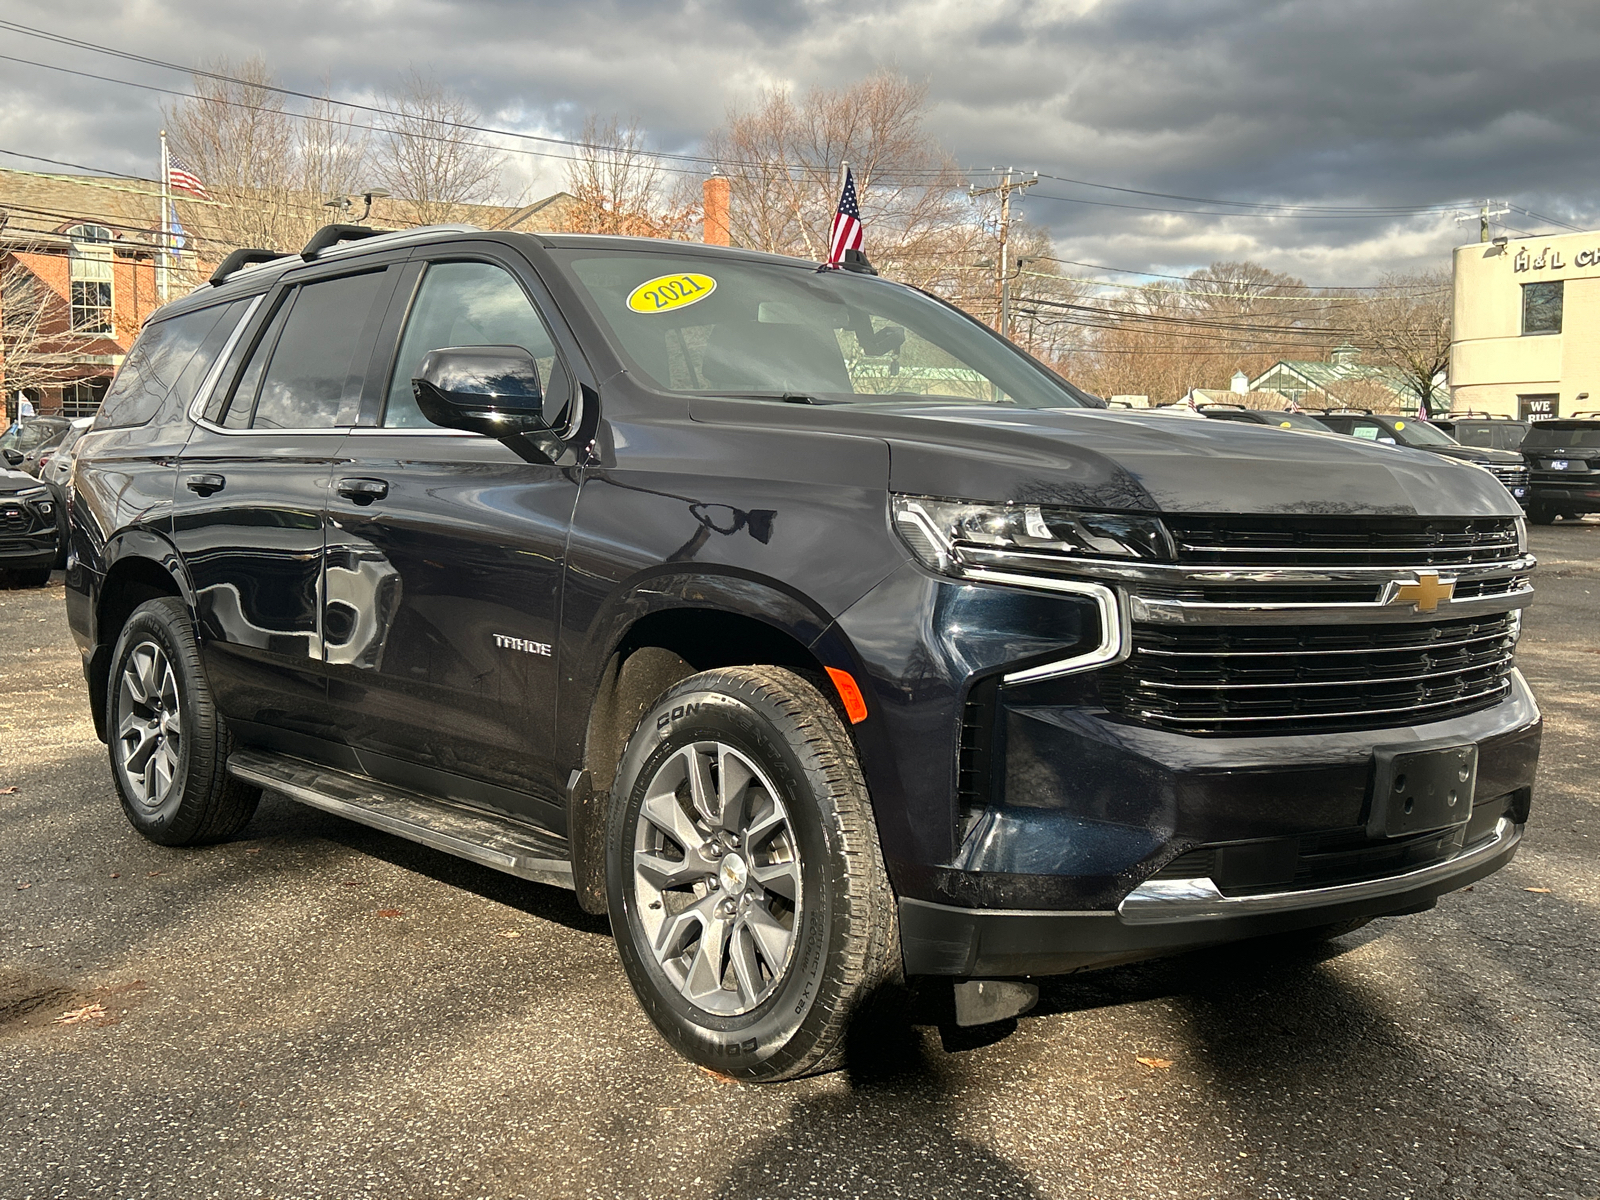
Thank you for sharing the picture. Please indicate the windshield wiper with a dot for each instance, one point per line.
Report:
(786, 397)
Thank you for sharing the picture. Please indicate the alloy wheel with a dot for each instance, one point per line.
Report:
(717, 876)
(149, 725)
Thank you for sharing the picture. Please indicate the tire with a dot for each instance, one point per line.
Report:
(32, 577)
(762, 1006)
(157, 693)
(1542, 514)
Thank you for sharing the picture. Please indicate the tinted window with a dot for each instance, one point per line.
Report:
(311, 379)
(157, 359)
(1562, 437)
(1541, 307)
(243, 403)
(183, 392)
(469, 304)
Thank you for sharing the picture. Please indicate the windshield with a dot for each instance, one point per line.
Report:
(725, 327)
(1562, 437)
(1420, 433)
(28, 435)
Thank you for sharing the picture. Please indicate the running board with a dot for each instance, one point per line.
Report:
(495, 842)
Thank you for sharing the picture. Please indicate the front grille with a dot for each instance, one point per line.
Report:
(1512, 475)
(14, 519)
(1259, 680)
(1276, 541)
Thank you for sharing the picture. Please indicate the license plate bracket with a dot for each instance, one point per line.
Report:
(1421, 787)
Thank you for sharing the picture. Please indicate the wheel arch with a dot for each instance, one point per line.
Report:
(140, 565)
(664, 629)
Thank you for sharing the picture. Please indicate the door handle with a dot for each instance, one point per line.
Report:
(205, 484)
(363, 491)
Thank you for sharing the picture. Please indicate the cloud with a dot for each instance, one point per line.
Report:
(1316, 102)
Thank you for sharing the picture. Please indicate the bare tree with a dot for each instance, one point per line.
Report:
(266, 169)
(1406, 324)
(427, 159)
(783, 157)
(36, 337)
(619, 187)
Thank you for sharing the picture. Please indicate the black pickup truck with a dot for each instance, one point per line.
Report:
(818, 635)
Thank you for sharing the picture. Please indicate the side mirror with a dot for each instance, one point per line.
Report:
(13, 457)
(492, 390)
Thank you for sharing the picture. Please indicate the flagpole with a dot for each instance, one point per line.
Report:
(166, 222)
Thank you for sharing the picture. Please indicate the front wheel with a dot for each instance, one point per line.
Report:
(1542, 514)
(169, 745)
(747, 889)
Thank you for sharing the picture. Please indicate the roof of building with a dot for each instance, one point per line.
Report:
(1334, 374)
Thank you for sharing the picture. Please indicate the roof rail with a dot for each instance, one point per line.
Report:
(332, 235)
(1365, 412)
(239, 260)
(1586, 413)
(1223, 404)
(1460, 414)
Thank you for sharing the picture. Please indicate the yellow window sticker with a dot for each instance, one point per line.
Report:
(1285, 425)
(666, 292)
(1399, 424)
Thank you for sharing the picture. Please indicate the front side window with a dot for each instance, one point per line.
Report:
(304, 372)
(1541, 307)
(727, 327)
(470, 304)
(89, 268)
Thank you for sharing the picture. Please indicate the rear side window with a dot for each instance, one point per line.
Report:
(307, 370)
(470, 304)
(158, 359)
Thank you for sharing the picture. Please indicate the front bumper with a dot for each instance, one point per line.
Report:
(1168, 916)
(30, 553)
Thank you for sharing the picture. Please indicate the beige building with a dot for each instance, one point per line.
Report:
(1527, 326)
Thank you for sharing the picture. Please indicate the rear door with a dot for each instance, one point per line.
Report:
(252, 491)
(445, 557)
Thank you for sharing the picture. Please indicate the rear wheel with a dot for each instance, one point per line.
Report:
(169, 745)
(746, 886)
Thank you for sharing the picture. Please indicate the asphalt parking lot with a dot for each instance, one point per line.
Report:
(315, 1009)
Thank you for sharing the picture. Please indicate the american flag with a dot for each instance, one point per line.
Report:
(846, 231)
(182, 179)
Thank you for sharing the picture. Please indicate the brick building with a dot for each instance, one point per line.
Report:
(80, 273)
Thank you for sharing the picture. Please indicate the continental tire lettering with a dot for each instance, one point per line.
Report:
(677, 714)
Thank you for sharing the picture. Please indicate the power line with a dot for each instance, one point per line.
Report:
(1320, 287)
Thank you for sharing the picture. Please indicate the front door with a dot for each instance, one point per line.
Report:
(444, 561)
(251, 502)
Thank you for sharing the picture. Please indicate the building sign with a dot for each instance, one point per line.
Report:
(1549, 259)
(1536, 408)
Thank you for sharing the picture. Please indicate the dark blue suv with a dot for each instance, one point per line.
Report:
(821, 637)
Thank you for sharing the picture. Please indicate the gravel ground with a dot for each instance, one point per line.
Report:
(316, 1009)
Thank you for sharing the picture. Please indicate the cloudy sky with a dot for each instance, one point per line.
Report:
(1337, 104)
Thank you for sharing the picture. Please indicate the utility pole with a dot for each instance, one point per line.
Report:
(1003, 274)
(1485, 211)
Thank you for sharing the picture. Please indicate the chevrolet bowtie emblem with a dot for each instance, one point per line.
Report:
(1425, 594)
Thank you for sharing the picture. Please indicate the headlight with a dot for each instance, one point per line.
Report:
(950, 536)
(1522, 534)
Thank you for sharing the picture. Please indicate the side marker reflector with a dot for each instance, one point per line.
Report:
(855, 705)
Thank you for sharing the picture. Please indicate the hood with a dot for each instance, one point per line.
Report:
(1476, 454)
(13, 481)
(1125, 461)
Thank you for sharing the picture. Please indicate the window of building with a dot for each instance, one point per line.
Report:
(90, 275)
(82, 399)
(1541, 307)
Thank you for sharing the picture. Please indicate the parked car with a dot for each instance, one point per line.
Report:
(1277, 418)
(1389, 429)
(30, 534)
(55, 472)
(1564, 458)
(797, 621)
(36, 459)
(28, 436)
(1492, 431)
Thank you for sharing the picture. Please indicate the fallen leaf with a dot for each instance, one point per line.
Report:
(254, 850)
(8, 791)
(116, 875)
(78, 1016)
(152, 874)
(718, 1076)
(511, 933)
(1160, 1064)
(22, 887)
(390, 912)
(350, 882)
(1541, 891)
